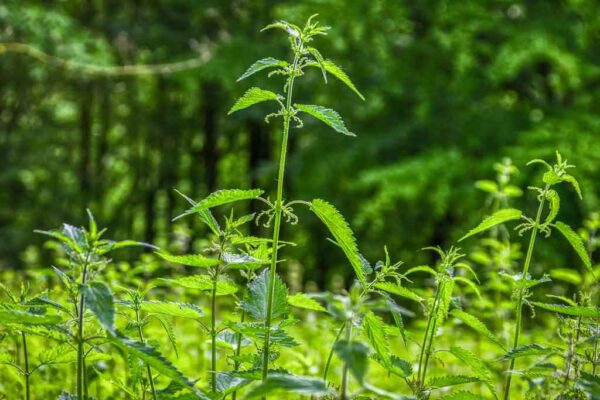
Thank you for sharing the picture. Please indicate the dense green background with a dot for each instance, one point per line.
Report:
(451, 87)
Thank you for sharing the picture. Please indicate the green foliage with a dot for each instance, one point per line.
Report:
(375, 331)
(173, 309)
(204, 283)
(191, 260)
(575, 241)
(499, 217)
(327, 115)
(398, 291)
(576, 311)
(259, 65)
(255, 301)
(477, 325)
(251, 97)
(302, 300)
(99, 299)
(278, 384)
(222, 197)
(354, 354)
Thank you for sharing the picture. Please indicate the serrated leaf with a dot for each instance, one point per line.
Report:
(446, 290)
(291, 29)
(99, 299)
(398, 290)
(462, 395)
(499, 217)
(204, 215)
(477, 325)
(336, 71)
(576, 242)
(191, 260)
(319, 59)
(342, 233)
(420, 268)
(251, 97)
(302, 300)
(472, 285)
(256, 331)
(173, 309)
(477, 366)
(222, 197)
(571, 179)
(327, 115)
(277, 383)
(26, 318)
(354, 354)
(575, 311)
(259, 65)
(554, 202)
(532, 349)
(225, 286)
(437, 382)
(255, 300)
(374, 330)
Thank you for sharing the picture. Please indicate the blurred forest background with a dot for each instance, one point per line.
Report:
(451, 86)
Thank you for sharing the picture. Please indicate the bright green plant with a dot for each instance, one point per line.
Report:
(304, 56)
(554, 175)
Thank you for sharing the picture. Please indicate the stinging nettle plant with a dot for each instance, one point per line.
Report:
(304, 56)
(523, 283)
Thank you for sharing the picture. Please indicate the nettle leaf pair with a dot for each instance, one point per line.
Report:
(305, 56)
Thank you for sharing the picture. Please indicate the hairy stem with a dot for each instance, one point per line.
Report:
(80, 341)
(278, 211)
(143, 340)
(238, 351)
(519, 308)
(435, 311)
(344, 387)
(425, 336)
(572, 344)
(26, 370)
(213, 332)
(330, 356)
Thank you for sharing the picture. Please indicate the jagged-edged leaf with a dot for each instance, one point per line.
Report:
(397, 366)
(168, 327)
(398, 290)
(437, 382)
(255, 300)
(151, 356)
(499, 217)
(291, 29)
(259, 65)
(554, 202)
(278, 384)
(342, 233)
(252, 96)
(99, 299)
(64, 354)
(222, 197)
(230, 381)
(256, 330)
(374, 330)
(336, 71)
(477, 325)
(472, 285)
(420, 268)
(327, 115)
(354, 354)
(532, 349)
(384, 394)
(319, 59)
(26, 318)
(205, 215)
(191, 260)
(576, 242)
(571, 179)
(225, 286)
(302, 300)
(562, 298)
(396, 312)
(462, 395)
(243, 260)
(477, 366)
(173, 309)
(576, 311)
(446, 289)
(48, 331)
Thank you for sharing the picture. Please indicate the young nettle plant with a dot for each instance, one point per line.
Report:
(555, 174)
(304, 56)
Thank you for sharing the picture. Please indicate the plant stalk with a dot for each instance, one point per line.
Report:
(435, 310)
(80, 330)
(148, 369)
(278, 212)
(330, 356)
(519, 309)
(344, 387)
(213, 332)
(429, 322)
(26, 371)
(238, 351)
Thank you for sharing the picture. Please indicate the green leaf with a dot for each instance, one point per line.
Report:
(291, 29)
(205, 215)
(173, 309)
(567, 275)
(420, 268)
(554, 202)
(398, 291)
(477, 325)
(225, 286)
(255, 300)
(374, 329)
(527, 350)
(259, 65)
(472, 285)
(252, 96)
(571, 179)
(438, 382)
(327, 115)
(336, 71)
(446, 289)
(319, 59)
(354, 354)
(476, 365)
(576, 242)
(278, 384)
(462, 395)
(221, 197)
(342, 233)
(487, 186)
(499, 217)
(576, 311)
(152, 357)
(191, 260)
(302, 300)
(25, 318)
(99, 299)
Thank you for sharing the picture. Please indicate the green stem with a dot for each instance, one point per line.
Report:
(435, 312)
(80, 330)
(238, 351)
(343, 388)
(425, 336)
(572, 344)
(278, 211)
(519, 309)
(213, 332)
(330, 356)
(148, 369)
(595, 357)
(26, 360)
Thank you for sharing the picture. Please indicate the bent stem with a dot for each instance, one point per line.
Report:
(278, 211)
(521, 293)
(26, 370)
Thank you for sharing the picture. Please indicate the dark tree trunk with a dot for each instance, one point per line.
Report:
(85, 143)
